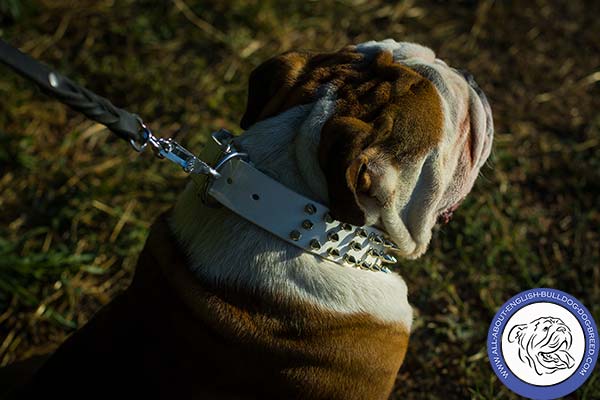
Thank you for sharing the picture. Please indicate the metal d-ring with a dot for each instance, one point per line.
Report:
(218, 166)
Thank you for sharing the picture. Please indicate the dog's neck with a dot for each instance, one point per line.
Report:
(225, 250)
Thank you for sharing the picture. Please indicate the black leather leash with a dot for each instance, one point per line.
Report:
(126, 125)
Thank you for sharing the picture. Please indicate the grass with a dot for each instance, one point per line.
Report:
(77, 203)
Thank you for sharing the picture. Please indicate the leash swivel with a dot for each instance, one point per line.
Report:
(172, 151)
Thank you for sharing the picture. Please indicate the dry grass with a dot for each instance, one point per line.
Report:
(76, 203)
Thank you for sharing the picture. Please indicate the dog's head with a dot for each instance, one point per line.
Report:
(390, 136)
(544, 344)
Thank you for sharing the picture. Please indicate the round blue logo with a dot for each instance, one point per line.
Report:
(542, 344)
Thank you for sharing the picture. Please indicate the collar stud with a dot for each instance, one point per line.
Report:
(295, 235)
(310, 209)
(307, 224)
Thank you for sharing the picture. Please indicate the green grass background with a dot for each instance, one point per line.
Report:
(76, 203)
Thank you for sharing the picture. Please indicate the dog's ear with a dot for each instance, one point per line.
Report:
(385, 115)
(344, 165)
(292, 79)
(270, 84)
(516, 333)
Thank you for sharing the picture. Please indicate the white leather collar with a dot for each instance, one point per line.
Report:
(292, 217)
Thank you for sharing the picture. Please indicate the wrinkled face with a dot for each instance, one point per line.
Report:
(544, 344)
(395, 137)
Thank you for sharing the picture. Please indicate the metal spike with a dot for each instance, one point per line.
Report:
(349, 259)
(389, 244)
(307, 224)
(375, 238)
(355, 246)
(375, 267)
(361, 232)
(328, 218)
(388, 259)
(332, 251)
(365, 264)
(333, 236)
(310, 209)
(375, 253)
(295, 235)
(346, 227)
(314, 244)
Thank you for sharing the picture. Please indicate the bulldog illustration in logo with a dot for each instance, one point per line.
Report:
(544, 344)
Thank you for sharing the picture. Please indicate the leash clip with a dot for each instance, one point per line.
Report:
(172, 151)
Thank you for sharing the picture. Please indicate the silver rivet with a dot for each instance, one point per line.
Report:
(332, 251)
(388, 259)
(366, 264)
(53, 79)
(361, 232)
(295, 235)
(328, 218)
(310, 209)
(349, 259)
(355, 246)
(333, 236)
(315, 245)
(306, 224)
(346, 227)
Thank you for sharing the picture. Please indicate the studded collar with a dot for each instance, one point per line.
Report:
(292, 217)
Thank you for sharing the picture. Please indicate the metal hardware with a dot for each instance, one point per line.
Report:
(310, 209)
(349, 259)
(328, 218)
(389, 245)
(375, 253)
(361, 232)
(172, 151)
(332, 251)
(388, 259)
(295, 235)
(307, 224)
(333, 236)
(144, 132)
(314, 244)
(346, 227)
(355, 246)
(375, 238)
(223, 138)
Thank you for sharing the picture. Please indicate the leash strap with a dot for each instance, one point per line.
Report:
(124, 124)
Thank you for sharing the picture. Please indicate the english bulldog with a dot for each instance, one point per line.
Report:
(544, 344)
(383, 133)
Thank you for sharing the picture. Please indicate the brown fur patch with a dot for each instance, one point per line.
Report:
(379, 104)
(170, 336)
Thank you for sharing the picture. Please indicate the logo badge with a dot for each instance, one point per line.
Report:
(542, 343)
